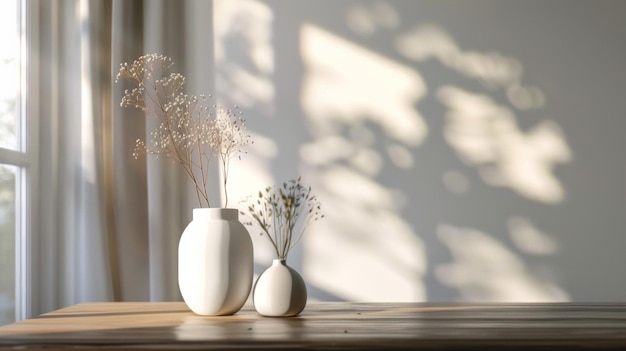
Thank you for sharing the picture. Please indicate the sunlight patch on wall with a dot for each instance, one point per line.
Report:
(493, 70)
(530, 240)
(486, 135)
(484, 269)
(400, 156)
(327, 150)
(244, 55)
(367, 19)
(362, 250)
(361, 124)
(525, 98)
(336, 92)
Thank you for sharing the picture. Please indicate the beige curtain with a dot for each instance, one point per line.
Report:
(107, 225)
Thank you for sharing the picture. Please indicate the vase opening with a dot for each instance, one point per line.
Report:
(279, 262)
(229, 214)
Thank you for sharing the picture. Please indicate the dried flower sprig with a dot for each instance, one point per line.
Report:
(190, 133)
(276, 211)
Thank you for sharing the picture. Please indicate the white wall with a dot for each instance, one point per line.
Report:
(462, 150)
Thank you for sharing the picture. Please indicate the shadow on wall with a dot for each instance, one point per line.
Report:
(407, 144)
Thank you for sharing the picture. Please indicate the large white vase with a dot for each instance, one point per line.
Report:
(215, 262)
(279, 291)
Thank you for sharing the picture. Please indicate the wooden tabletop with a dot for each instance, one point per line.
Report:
(327, 326)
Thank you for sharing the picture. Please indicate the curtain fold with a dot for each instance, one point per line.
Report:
(109, 224)
(130, 176)
(166, 180)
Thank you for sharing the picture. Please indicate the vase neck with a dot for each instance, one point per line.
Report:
(279, 262)
(229, 214)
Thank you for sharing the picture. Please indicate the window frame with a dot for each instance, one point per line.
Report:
(25, 159)
(29, 111)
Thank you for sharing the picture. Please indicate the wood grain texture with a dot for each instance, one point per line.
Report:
(326, 326)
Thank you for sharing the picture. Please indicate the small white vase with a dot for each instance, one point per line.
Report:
(279, 291)
(215, 262)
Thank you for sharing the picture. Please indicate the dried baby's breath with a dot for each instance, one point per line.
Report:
(190, 132)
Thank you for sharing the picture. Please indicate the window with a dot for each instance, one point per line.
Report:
(15, 163)
(7, 242)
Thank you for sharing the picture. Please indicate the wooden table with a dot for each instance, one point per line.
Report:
(326, 326)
